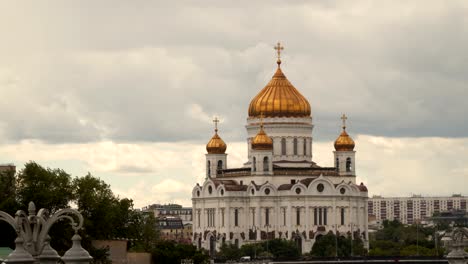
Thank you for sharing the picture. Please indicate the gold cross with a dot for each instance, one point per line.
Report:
(261, 119)
(278, 49)
(344, 118)
(216, 121)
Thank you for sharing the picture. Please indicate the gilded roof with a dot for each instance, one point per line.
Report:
(216, 145)
(344, 142)
(279, 98)
(262, 141)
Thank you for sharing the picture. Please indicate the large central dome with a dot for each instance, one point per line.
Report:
(279, 98)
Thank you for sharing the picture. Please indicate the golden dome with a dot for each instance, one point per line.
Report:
(344, 142)
(262, 141)
(279, 98)
(216, 145)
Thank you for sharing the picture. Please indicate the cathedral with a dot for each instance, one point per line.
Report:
(280, 192)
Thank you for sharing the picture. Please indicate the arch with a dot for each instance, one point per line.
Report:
(348, 164)
(208, 168)
(254, 164)
(266, 164)
(295, 146)
(220, 164)
(283, 146)
(329, 187)
(273, 190)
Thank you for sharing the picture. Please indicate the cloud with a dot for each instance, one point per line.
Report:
(395, 68)
(167, 172)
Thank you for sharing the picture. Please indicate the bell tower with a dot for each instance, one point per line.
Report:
(216, 158)
(344, 152)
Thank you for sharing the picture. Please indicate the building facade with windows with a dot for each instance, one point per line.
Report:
(280, 192)
(417, 208)
(174, 210)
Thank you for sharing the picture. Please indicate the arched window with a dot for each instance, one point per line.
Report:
(295, 146)
(266, 165)
(208, 168)
(220, 164)
(305, 147)
(337, 164)
(348, 164)
(298, 216)
(254, 164)
(283, 146)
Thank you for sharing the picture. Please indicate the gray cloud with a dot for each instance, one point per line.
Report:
(87, 71)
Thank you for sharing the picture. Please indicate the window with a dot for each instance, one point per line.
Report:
(283, 146)
(298, 190)
(348, 164)
(253, 217)
(220, 164)
(315, 216)
(198, 218)
(208, 168)
(320, 216)
(342, 216)
(295, 146)
(267, 191)
(210, 189)
(284, 216)
(305, 147)
(267, 216)
(324, 216)
(236, 217)
(320, 187)
(222, 217)
(266, 165)
(298, 216)
(342, 190)
(254, 164)
(337, 164)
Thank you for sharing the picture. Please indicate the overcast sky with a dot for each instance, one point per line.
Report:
(127, 89)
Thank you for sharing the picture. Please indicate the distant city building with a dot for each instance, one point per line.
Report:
(174, 221)
(417, 208)
(7, 167)
(172, 228)
(166, 210)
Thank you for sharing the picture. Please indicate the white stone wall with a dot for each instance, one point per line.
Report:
(289, 129)
(250, 204)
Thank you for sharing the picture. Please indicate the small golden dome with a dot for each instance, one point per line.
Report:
(216, 145)
(344, 142)
(262, 141)
(279, 98)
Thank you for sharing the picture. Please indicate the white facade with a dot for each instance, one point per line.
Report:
(409, 210)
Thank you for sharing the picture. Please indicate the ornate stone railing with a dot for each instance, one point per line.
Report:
(33, 240)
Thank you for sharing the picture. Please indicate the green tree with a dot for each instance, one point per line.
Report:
(253, 250)
(143, 230)
(47, 188)
(228, 252)
(105, 215)
(282, 249)
(168, 252)
(326, 246)
(8, 204)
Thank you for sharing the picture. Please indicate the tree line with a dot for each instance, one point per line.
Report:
(106, 215)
